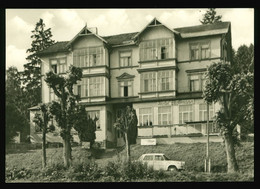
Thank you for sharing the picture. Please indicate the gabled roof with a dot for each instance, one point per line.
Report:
(85, 31)
(203, 30)
(125, 76)
(128, 38)
(154, 22)
(55, 48)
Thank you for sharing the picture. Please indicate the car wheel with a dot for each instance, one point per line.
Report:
(172, 168)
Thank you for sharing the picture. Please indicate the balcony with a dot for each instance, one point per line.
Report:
(152, 65)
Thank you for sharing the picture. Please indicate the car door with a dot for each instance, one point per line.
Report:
(158, 162)
(149, 160)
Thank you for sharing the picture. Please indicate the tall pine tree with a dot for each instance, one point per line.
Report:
(210, 17)
(32, 70)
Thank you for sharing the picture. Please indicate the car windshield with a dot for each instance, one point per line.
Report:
(165, 157)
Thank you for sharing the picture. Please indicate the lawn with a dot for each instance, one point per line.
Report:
(192, 154)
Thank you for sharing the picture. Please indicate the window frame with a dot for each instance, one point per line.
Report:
(149, 114)
(122, 83)
(168, 114)
(128, 58)
(190, 114)
(152, 49)
(58, 65)
(201, 79)
(203, 112)
(162, 75)
(98, 87)
(98, 126)
(91, 57)
(199, 48)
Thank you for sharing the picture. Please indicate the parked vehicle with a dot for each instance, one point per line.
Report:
(161, 162)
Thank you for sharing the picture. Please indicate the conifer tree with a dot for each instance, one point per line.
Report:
(210, 17)
(41, 39)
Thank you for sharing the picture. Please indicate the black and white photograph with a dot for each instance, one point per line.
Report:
(111, 95)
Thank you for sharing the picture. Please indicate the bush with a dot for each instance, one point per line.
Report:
(83, 171)
(121, 170)
(14, 173)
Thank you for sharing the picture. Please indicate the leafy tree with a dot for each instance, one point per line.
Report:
(41, 120)
(64, 109)
(234, 91)
(210, 17)
(126, 123)
(85, 126)
(243, 59)
(32, 70)
(16, 110)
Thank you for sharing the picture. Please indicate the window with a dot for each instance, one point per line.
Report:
(194, 52)
(200, 51)
(165, 80)
(54, 63)
(62, 65)
(96, 86)
(197, 81)
(203, 81)
(148, 81)
(93, 115)
(164, 115)
(125, 59)
(156, 49)
(58, 65)
(164, 53)
(158, 158)
(205, 50)
(88, 57)
(203, 112)
(81, 88)
(148, 158)
(145, 117)
(194, 83)
(125, 88)
(185, 113)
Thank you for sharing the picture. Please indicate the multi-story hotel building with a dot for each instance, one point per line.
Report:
(159, 71)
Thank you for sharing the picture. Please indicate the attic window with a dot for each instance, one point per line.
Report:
(155, 22)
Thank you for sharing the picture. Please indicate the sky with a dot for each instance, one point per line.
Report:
(66, 23)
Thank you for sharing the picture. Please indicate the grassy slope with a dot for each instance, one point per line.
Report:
(192, 154)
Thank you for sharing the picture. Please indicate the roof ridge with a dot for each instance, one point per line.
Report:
(120, 34)
(203, 25)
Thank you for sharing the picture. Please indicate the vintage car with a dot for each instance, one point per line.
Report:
(158, 161)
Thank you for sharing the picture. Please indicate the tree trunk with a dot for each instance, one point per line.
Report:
(230, 151)
(127, 148)
(43, 149)
(66, 151)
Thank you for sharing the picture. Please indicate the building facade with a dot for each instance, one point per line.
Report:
(158, 71)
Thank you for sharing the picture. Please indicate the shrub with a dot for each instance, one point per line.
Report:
(14, 173)
(121, 170)
(83, 171)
